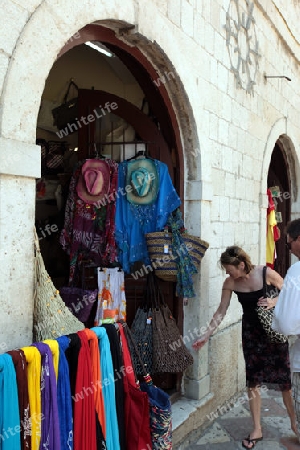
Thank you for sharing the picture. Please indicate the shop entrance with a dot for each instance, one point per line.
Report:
(278, 178)
(142, 121)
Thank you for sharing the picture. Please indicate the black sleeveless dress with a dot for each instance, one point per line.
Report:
(267, 363)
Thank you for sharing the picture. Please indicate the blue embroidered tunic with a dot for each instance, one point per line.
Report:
(133, 221)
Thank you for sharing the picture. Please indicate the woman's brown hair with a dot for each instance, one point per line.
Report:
(233, 255)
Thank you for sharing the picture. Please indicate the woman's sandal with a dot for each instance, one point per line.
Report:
(251, 442)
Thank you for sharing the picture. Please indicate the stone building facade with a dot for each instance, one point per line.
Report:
(229, 77)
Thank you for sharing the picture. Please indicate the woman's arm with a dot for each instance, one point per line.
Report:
(218, 315)
(272, 277)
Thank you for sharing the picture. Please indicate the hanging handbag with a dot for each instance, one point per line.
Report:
(266, 315)
(141, 330)
(67, 112)
(169, 351)
(160, 411)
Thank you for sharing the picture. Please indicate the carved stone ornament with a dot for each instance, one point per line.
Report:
(242, 43)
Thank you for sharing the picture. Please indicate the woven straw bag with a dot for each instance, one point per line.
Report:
(51, 317)
(165, 266)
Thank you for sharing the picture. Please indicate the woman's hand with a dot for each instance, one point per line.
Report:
(267, 302)
(200, 342)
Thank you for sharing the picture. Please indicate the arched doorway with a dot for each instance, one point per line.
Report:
(279, 178)
(157, 127)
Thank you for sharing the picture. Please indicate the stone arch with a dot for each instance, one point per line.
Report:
(39, 45)
(281, 131)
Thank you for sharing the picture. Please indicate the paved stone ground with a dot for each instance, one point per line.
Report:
(227, 431)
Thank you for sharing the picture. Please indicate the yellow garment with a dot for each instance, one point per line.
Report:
(33, 358)
(54, 347)
(270, 248)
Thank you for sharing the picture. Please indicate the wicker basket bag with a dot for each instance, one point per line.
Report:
(165, 266)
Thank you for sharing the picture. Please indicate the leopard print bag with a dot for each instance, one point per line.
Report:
(266, 315)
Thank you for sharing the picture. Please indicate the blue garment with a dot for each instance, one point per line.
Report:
(9, 405)
(50, 436)
(64, 400)
(108, 389)
(134, 221)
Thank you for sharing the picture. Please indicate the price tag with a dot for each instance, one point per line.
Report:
(166, 249)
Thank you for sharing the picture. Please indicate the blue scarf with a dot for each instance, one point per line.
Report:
(50, 425)
(108, 388)
(64, 400)
(9, 406)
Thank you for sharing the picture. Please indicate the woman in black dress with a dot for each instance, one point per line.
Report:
(266, 363)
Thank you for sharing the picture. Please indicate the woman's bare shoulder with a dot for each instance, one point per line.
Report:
(228, 284)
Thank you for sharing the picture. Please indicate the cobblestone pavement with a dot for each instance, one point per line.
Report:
(227, 431)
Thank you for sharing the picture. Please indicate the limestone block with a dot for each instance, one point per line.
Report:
(217, 233)
(205, 220)
(224, 209)
(215, 10)
(214, 127)
(74, 15)
(224, 359)
(193, 190)
(197, 389)
(193, 216)
(17, 206)
(223, 74)
(174, 11)
(216, 157)
(198, 28)
(215, 208)
(13, 19)
(209, 37)
(234, 208)
(230, 184)
(223, 131)
(29, 5)
(214, 71)
(18, 329)
(19, 158)
(240, 190)
(206, 11)
(219, 181)
(4, 61)
(187, 18)
(233, 130)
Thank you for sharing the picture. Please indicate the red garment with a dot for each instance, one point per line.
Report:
(84, 407)
(97, 378)
(137, 425)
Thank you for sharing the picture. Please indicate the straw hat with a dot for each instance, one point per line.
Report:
(142, 177)
(94, 180)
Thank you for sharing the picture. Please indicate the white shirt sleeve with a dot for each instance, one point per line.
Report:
(286, 317)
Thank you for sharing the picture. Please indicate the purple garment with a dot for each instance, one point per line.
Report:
(88, 231)
(50, 433)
